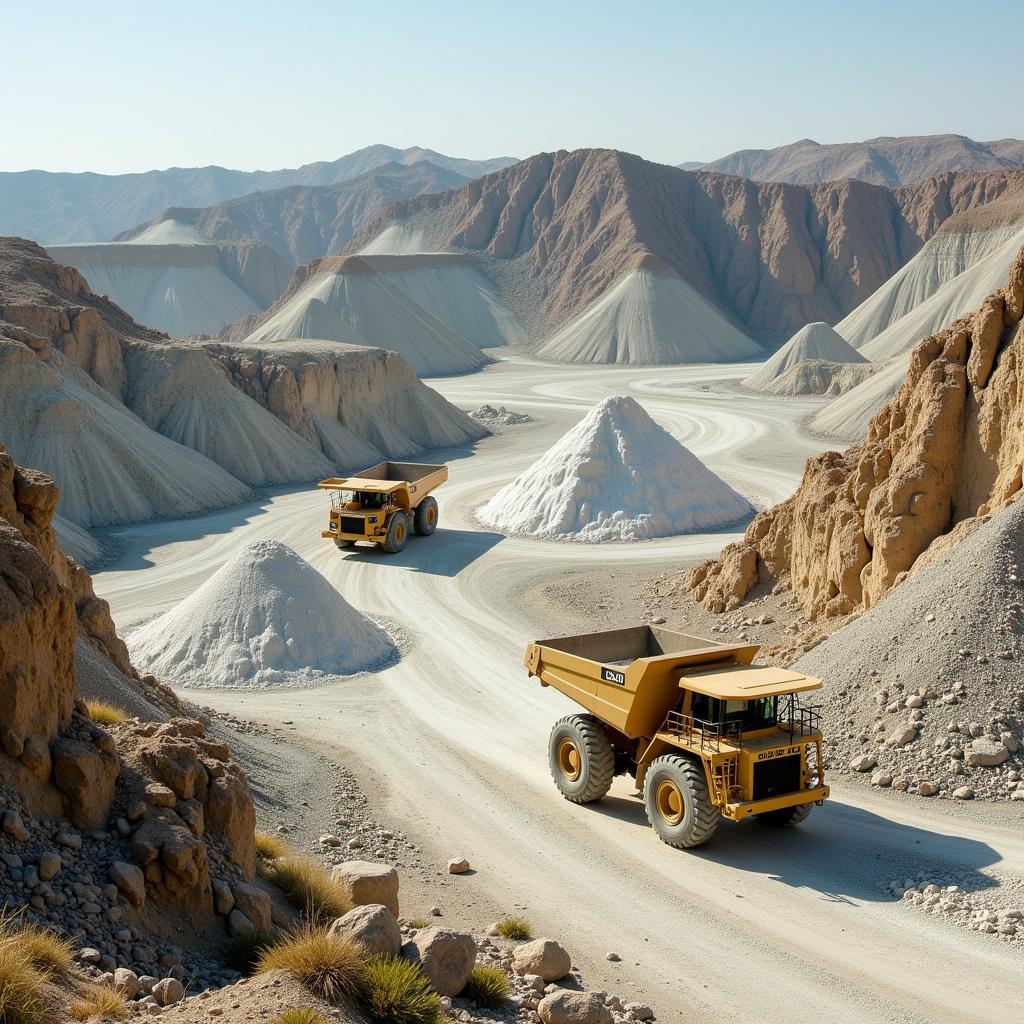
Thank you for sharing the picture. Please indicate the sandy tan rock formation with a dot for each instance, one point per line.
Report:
(943, 455)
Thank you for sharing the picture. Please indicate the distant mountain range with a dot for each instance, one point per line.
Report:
(891, 161)
(55, 207)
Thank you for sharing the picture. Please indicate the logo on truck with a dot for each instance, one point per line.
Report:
(609, 675)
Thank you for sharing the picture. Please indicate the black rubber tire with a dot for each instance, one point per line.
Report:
(700, 817)
(398, 534)
(787, 817)
(344, 543)
(596, 756)
(425, 517)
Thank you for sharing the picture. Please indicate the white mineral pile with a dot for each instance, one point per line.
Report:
(649, 316)
(967, 259)
(346, 300)
(187, 396)
(110, 466)
(816, 341)
(455, 292)
(176, 288)
(266, 618)
(923, 691)
(616, 476)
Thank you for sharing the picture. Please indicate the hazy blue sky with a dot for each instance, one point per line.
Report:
(129, 86)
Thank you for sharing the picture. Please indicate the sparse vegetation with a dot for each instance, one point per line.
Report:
(328, 965)
(270, 846)
(514, 928)
(243, 952)
(103, 713)
(45, 951)
(21, 988)
(300, 1016)
(488, 987)
(396, 991)
(308, 887)
(419, 922)
(101, 1003)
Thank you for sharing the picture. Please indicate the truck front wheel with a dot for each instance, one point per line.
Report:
(677, 802)
(398, 534)
(581, 758)
(424, 520)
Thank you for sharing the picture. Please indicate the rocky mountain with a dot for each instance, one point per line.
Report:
(938, 461)
(891, 161)
(558, 231)
(301, 222)
(86, 207)
(85, 389)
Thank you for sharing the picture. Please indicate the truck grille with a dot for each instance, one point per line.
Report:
(776, 777)
(353, 524)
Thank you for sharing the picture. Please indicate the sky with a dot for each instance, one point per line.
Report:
(116, 87)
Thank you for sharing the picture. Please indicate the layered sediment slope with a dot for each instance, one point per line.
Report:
(178, 289)
(891, 161)
(615, 476)
(940, 458)
(815, 341)
(345, 299)
(558, 231)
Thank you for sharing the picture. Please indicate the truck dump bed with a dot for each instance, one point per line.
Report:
(415, 479)
(629, 678)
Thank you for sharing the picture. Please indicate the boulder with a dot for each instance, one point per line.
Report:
(373, 926)
(50, 864)
(567, 1007)
(86, 775)
(863, 763)
(365, 883)
(255, 904)
(445, 956)
(168, 991)
(130, 882)
(458, 866)
(126, 982)
(239, 924)
(985, 752)
(542, 956)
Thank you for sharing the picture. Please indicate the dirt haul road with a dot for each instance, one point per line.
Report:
(758, 925)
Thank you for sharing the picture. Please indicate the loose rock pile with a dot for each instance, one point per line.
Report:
(500, 416)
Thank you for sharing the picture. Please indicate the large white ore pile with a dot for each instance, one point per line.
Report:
(616, 476)
(265, 618)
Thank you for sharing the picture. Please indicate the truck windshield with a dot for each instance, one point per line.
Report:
(372, 499)
(742, 714)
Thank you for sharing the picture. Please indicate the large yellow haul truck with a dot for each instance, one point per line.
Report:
(705, 733)
(383, 503)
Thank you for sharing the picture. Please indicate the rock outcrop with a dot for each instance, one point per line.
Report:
(939, 459)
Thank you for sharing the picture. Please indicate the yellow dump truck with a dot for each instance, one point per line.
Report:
(705, 733)
(383, 503)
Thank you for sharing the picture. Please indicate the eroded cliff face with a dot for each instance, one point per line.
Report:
(939, 459)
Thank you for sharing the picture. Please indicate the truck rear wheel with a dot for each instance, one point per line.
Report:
(398, 534)
(424, 520)
(787, 817)
(581, 758)
(677, 802)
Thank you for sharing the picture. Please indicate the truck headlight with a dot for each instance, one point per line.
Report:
(334, 527)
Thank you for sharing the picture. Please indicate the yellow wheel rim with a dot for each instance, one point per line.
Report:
(569, 761)
(431, 516)
(400, 533)
(670, 802)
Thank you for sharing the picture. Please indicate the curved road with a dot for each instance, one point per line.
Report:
(758, 925)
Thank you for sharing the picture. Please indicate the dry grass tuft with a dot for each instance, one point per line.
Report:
(300, 1016)
(103, 713)
(100, 1004)
(488, 987)
(46, 951)
(21, 988)
(270, 846)
(328, 965)
(514, 928)
(396, 991)
(309, 887)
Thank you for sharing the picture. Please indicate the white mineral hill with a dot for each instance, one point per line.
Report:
(616, 476)
(813, 341)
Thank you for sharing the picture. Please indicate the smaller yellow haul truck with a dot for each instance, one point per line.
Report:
(705, 733)
(383, 503)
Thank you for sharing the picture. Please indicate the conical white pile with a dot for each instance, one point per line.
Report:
(813, 341)
(616, 476)
(265, 618)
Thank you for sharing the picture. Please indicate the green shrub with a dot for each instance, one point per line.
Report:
(396, 991)
(328, 965)
(419, 922)
(488, 987)
(243, 952)
(514, 928)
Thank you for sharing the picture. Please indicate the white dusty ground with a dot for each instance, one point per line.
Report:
(756, 926)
